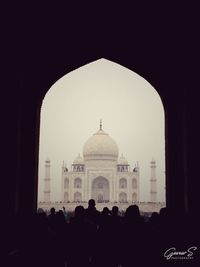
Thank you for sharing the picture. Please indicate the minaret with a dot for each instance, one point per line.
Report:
(153, 190)
(47, 180)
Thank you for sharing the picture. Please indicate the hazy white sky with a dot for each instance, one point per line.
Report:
(131, 111)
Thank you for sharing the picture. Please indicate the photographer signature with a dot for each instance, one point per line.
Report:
(171, 252)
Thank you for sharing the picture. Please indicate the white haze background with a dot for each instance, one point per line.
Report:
(131, 111)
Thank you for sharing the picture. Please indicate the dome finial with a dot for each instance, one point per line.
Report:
(101, 124)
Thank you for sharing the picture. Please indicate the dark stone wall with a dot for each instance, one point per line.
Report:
(41, 49)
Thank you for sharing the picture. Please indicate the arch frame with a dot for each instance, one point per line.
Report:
(123, 197)
(103, 190)
(123, 183)
(78, 183)
(77, 197)
(175, 159)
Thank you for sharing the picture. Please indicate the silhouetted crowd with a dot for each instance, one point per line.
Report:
(93, 238)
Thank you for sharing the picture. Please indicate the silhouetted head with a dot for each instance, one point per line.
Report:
(91, 203)
(132, 212)
(60, 215)
(115, 210)
(60, 212)
(79, 211)
(105, 211)
(40, 210)
(52, 210)
(163, 213)
(167, 215)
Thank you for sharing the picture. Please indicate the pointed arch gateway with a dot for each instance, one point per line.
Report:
(100, 189)
(77, 197)
(122, 197)
(134, 197)
(66, 197)
(99, 194)
(77, 183)
(122, 183)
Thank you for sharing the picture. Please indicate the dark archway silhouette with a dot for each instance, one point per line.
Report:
(162, 51)
(168, 202)
(97, 67)
(177, 194)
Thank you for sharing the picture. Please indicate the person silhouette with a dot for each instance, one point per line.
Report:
(91, 213)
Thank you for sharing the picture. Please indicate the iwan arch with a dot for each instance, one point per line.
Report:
(101, 174)
(160, 62)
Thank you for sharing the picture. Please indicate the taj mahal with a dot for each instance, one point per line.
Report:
(101, 174)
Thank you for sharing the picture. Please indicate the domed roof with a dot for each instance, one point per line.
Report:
(100, 146)
(78, 160)
(123, 160)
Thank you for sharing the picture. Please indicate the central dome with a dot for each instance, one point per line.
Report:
(100, 146)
